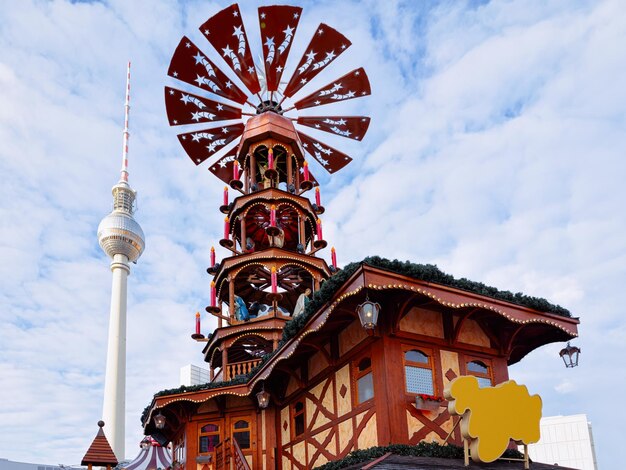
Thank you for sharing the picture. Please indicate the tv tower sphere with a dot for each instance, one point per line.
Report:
(119, 233)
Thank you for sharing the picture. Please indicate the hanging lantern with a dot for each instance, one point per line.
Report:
(159, 421)
(570, 354)
(368, 313)
(263, 397)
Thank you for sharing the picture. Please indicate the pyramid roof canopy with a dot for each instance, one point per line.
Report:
(100, 452)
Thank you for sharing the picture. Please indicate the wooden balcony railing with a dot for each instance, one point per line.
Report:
(239, 368)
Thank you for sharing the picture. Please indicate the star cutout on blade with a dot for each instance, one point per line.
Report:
(175, 74)
(262, 16)
(303, 80)
(342, 122)
(279, 69)
(269, 42)
(238, 32)
(199, 58)
(320, 31)
(222, 163)
(228, 84)
(295, 15)
(235, 14)
(350, 94)
(174, 121)
(199, 80)
(195, 116)
(227, 51)
(357, 73)
(220, 107)
(317, 102)
(185, 98)
(206, 32)
(289, 31)
(251, 69)
(171, 92)
(225, 130)
(330, 56)
(188, 45)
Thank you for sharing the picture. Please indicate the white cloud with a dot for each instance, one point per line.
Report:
(495, 151)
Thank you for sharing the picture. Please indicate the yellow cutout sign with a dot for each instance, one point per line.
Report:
(491, 416)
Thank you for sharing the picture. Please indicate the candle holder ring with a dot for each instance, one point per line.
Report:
(213, 309)
(236, 184)
(272, 230)
(271, 173)
(306, 186)
(318, 209)
(197, 336)
(319, 244)
(274, 297)
(226, 243)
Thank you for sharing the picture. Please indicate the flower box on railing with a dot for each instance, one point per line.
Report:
(427, 402)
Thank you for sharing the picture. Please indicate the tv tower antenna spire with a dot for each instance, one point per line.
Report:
(122, 239)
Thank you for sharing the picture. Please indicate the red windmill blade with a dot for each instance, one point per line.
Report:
(187, 108)
(190, 65)
(331, 159)
(352, 85)
(226, 33)
(352, 127)
(326, 45)
(278, 27)
(223, 168)
(205, 143)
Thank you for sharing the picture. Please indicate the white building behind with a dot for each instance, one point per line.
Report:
(193, 375)
(566, 441)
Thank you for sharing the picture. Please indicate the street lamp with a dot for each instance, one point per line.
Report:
(569, 354)
(368, 313)
(263, 398)
(159, 421)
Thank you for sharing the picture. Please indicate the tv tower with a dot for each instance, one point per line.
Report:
(122, 239)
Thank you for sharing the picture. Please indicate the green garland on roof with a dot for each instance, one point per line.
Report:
(423, 449)
(423, 272)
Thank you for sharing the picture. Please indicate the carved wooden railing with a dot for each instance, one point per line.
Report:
(222, 455)
(239, 368)
(239, 459)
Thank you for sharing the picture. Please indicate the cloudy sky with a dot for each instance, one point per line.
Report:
(496, 151)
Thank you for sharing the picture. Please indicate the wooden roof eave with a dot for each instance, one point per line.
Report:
(457, 298)
(240, 390)
(369, 277)
(259, 325)
(269, 196)
(269, 254)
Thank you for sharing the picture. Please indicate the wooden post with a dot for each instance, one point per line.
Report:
(243, 234)
(526, 462)
(219, 319)
(289, 169)
(231, 299)
(252, 168)
(466, 452)
(225, 376)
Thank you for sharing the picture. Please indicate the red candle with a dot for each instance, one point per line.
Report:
(212, 257)
(306, 170)
(273, 216)
(319, 230)
(333, 257)
(225, 195)
(270, 159)
(274, 280)
(212, 294)
(197, 323)
(318, 198)
(235, 170)
(226, 228)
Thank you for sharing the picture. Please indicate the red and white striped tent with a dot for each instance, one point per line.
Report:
(151, 457)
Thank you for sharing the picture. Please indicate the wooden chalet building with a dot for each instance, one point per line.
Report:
(296, 384)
